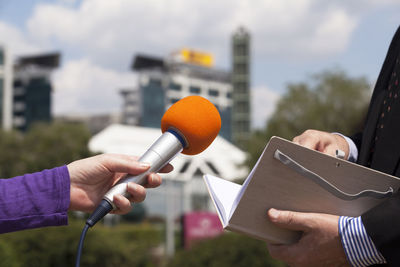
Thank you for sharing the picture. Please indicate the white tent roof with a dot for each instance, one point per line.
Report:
(221, 155)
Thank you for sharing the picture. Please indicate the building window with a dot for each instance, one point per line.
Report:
(194, 90)
(242, 126)
(213, 92)
(241, 87)
(240, 68)
(155, 82)
(240, 49)
(175, 87)
(243, 107)
(1, 57)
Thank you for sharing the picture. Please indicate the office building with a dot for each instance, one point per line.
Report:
(162, 82)
(32, 89)
(241, 88)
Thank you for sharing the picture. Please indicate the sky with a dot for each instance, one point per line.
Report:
(290, 41)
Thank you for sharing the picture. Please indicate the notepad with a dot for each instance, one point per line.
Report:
(291, 177)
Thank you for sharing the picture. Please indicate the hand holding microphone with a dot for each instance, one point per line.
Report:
(91, 178)
(189, 126)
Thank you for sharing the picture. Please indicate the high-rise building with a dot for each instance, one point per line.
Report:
(241, 88)
(162, 82)
(32, 89)
(6, 76)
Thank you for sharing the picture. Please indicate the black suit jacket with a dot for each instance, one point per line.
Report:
(383, 222)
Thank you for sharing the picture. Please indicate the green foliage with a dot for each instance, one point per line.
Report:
(229, 249)
(331, 101)
(126, 245)
(44, 146)
(9, 257)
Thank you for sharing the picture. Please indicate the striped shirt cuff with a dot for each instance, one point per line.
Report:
(358, 246)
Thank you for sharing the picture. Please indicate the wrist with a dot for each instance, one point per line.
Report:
(342, 144)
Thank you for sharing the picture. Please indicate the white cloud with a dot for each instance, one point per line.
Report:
(109, 32)
(82, 87)
(263, 101)
(15, 40)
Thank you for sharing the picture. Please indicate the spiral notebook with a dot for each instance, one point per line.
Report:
(291, 177)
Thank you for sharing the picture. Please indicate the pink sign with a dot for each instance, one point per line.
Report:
(199, 226)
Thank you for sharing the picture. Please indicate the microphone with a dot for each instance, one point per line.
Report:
(188, 126)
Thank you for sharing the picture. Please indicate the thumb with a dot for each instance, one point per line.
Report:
(289, 219)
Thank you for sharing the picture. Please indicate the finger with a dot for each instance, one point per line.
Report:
(153, 180)
(122, 203)
(167, 168)
(124, 164)
(310, 143)
(290, 220)
(307, 139)
(137, 192)
(330, 150)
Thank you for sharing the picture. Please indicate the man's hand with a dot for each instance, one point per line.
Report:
(319, 245)
(322, 141)
(92, 177)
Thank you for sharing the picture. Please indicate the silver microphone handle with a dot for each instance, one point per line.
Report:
(158, 155)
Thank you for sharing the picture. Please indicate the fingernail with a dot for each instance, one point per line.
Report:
(273, 213)
(154, 179)
(144, 164)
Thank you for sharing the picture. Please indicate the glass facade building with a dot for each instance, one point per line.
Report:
(32, 90)
(153, 102)
(164, 82)
(241, 88)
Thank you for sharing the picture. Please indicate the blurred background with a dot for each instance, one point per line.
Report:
(79, 78)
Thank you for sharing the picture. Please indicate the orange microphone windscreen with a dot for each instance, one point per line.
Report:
(197, 119)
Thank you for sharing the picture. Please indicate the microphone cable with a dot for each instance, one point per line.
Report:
(80, 245)
(101, 211)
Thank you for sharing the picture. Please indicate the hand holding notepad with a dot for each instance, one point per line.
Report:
(291, 177)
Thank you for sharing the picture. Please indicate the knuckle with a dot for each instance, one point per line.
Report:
(290, 218)
(309, 132)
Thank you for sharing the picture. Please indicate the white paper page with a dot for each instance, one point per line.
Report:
(245, 184)
(223, 193)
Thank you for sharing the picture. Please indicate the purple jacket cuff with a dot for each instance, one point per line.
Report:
(35, 200)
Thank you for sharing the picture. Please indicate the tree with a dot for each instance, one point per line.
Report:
(230, 249)
(43, 146)
(331, 101)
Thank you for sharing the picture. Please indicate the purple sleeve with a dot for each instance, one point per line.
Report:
(35, 200)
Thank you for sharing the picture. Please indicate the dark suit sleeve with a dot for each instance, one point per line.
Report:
(382, 224)
(357, 138)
